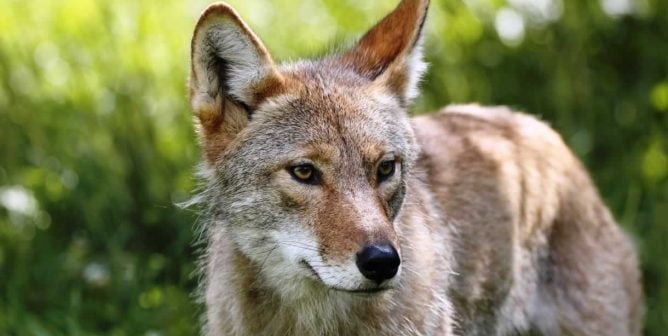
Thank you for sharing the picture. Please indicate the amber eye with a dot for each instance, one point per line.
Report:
(386, 170)
(305, 173)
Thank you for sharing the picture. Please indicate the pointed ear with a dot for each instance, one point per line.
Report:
(391, 52)
(231, 73)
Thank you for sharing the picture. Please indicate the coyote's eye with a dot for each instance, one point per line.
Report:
(386, 170)
(305, 173)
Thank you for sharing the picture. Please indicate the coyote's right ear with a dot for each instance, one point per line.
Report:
(231, 73)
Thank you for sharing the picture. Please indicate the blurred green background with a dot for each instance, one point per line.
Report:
(96, 141)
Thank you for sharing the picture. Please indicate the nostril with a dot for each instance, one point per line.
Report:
(378, 262)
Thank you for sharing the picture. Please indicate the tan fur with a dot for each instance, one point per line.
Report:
(499, 227)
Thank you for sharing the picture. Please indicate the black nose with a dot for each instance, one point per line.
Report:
(378, 262)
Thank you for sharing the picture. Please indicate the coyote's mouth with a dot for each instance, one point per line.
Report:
(310, 268)
(367, 291)
(373, 290)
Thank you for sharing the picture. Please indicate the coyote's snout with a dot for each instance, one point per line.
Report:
(333, 213)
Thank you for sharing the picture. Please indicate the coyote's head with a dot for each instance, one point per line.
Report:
(308, 161)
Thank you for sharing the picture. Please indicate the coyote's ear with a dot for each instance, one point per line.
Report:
(391, 51)
(231, 73)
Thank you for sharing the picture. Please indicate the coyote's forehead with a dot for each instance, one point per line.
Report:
(331, 115)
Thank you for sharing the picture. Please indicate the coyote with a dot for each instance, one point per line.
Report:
(331, 212)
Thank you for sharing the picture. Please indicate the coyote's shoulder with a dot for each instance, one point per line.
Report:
(530, 228)
(331, 212)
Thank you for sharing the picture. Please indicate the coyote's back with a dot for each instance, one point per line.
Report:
(333, 213)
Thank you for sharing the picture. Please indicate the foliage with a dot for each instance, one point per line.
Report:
(96, 141)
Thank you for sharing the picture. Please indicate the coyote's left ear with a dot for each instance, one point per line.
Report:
(391, 53)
